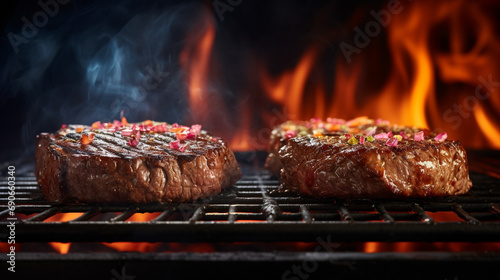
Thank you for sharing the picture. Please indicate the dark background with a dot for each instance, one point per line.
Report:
(85, 64)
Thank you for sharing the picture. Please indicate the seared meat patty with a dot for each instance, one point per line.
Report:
(393, 161)
(316, 126)
(132, 163)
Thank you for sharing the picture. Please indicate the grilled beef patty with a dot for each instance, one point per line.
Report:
(316, 126)
(338, 165)
(114, 169)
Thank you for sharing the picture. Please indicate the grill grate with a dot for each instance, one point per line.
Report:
(253, 210)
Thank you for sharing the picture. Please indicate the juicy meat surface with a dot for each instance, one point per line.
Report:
(327, 159)
(331, 167)
(110, 170)
(316, 126)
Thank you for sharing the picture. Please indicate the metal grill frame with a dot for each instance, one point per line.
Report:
(253, 211)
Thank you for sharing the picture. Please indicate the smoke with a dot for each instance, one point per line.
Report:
(137, 69)
(91, 61)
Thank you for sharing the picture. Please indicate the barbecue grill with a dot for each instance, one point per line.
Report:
(255, 211)
(240, 68)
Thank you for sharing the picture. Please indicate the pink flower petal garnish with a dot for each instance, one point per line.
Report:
(441, 137)
(191, 135)
(126, 133)
(183, 147)
(133, 142)
(392, 142)
(335, 121)
(117, 124)
(160, 128)
(175, 144)
(419, 136)
(181, 135)
(381, 136)
(372, 131)
(290, 134)
(196, 129)
(381, 121)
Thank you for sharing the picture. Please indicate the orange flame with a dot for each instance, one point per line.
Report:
(409, 95)
(289, 88)
(492, 130)
(62, 248)
(441, 72)
(133, 246)
(375, 247)
(368, 247)
(136, 246)
(451, 217)
(195, 60)
(5, 247)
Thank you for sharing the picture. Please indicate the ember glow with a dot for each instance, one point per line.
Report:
(374, 247)
(367, 247)
(136, 246)
(62, 248)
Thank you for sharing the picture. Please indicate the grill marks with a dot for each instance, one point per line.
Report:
(150, 149)
(153, 146)
(114, 145)
(125, 148)
(100, 146)
(109, 170)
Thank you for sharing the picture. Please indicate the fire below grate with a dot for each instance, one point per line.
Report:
(253, 210)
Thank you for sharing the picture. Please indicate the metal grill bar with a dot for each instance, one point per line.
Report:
(305, 214)
(44, 215)
(495, 208)
(232, 215)
(163, 216)
(385, 215)
(87, 215)
(4, 213)
(198, 214)
(125, 215)
(344, 214)
(464, 215)
(421, 213)
(255, 210)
